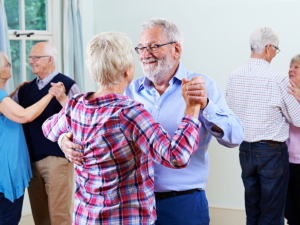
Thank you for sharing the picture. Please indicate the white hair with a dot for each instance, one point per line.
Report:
(51, 51)
(3, 58)
(108, 56)
(171, 31)
(261, 37)
(295, 59)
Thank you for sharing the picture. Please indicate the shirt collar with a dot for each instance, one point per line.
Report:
(258, 61)
(47, 79)
(102, 100)
(179, 75)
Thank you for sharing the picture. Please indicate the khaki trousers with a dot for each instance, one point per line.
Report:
(50, 191)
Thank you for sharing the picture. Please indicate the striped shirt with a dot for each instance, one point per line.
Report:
(120, 140)
(258, 95)
(42, 83)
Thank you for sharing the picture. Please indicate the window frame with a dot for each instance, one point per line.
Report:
(47, 35)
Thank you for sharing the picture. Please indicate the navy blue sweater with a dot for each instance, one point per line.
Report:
(40, 147)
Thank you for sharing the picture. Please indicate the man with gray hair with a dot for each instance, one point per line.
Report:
(50, 189)
(259, 96)
(179, 194)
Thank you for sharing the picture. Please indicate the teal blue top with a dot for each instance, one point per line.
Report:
(15, 170)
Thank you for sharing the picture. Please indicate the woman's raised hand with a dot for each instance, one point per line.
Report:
(294, 90)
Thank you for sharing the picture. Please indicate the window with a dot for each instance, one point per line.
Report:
(29, 22)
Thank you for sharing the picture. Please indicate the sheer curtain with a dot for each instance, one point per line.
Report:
(72, 42)
(4, 42)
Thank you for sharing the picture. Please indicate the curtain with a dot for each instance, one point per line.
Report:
(4, 43)
(72, 42)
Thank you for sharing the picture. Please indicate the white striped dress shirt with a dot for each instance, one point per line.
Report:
(258, 95)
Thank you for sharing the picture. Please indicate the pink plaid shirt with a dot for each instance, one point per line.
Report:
(120, 141)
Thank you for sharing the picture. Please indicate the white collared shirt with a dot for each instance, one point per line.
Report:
(258, 95)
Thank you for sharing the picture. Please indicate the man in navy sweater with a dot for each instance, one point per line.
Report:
(50, 189)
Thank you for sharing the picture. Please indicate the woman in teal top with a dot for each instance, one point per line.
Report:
(15, 170)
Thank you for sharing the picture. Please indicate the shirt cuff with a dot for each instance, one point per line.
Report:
(209, 113)
(60, 139)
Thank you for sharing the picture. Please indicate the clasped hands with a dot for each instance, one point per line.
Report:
(58, 90)
(193, 91)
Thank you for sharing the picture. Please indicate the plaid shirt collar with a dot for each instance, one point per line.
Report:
(102, 101)
(42, 83)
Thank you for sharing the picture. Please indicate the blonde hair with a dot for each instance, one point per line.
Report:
(295, 59)
(108, 56)
(3, 57)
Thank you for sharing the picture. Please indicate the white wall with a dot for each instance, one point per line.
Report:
(216, 42)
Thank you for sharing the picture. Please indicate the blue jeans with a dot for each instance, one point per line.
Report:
(189, 209)
(265, 174)
(10, 212)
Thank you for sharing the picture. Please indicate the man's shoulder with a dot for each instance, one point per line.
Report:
(240, 70)
(277, 76)
(208, 80)
(63, 77)
(265, 71)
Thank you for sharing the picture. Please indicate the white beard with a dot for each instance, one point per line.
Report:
(157, 73)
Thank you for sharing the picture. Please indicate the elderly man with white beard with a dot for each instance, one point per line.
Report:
(180, 194)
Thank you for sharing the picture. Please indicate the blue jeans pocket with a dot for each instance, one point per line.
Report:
(270, 165)
(242, 161)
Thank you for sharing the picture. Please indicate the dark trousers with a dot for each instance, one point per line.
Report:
(265, 174)
(292, 207)
(191, 209)
(10, 213)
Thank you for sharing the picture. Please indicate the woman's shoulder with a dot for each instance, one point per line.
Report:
(134, 108)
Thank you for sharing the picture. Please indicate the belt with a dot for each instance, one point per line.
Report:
(269, 141)
(163, 195)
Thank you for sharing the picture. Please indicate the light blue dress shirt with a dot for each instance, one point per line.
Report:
(15, 172)
(168, 109)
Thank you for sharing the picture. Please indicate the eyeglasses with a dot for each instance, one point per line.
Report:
(8, 64)
(277, 49)
(35, 58)
(150, 48)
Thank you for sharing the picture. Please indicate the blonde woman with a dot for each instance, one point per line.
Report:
(15, 171)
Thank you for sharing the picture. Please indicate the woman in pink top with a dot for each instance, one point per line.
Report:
(292, 209)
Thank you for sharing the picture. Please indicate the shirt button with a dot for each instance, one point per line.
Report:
(207, 116)
(156, 106)
(204, 112)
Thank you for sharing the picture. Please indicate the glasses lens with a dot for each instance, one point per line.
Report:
(152, 49)
(139, 50)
